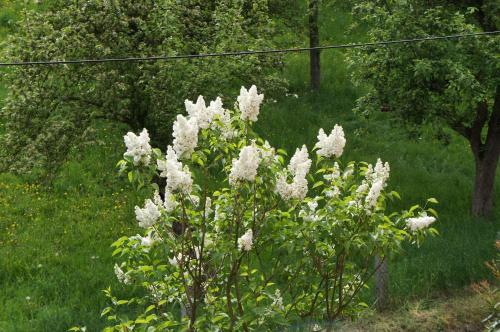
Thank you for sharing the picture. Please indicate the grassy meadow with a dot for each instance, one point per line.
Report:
(55, 255)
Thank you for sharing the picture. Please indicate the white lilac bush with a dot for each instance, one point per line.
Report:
(237, 238)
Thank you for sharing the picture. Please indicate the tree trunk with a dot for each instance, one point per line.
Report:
(482, 197)
(486, 155)
(314, 55)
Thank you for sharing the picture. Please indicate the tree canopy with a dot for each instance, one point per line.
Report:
(49, 108)
(447, 83)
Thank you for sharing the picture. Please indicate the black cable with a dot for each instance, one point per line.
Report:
(243, 53)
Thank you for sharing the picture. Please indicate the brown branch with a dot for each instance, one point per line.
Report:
(313, 304)
(341, 275)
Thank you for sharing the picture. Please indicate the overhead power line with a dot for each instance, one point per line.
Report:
(248, 52)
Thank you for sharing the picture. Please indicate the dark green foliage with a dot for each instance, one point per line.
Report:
(48, 108)
(451, 83)
(430, 81)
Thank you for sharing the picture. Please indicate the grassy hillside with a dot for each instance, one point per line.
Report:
(54, 241)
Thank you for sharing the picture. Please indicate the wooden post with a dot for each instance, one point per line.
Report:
(381, 282)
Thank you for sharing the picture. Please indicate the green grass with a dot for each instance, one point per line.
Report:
(54, 241)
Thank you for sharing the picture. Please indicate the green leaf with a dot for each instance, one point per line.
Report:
(282, 152)
(433, 231)
(432, 200)
(116, 251)
(433, 212)
(317, 184)
(396, 194)
(146, 268)
(414, 207)
(321, 170)
(119, 242)
(106, 311)
(219, 317)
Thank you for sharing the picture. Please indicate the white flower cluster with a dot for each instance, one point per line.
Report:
(249, 103)
(299, 167)
(378, 177)
(176, 260)
(278, 300)
(156, 291)
(205, 115)
(331, 145)
(381, 171)
(308, 212)
(245, 167)
(334, 174)
(208, 207)
(300, 162)
(170, 203)
(199, 111)
(373, 194)
(122, 276)
(138, 147)
(178, 177)
(420, 222)
(348, 171)
(267, 153)
(333, 192)
(146, 241)
(217, 112)
(245, 241)
(148, 215)
(185, 133)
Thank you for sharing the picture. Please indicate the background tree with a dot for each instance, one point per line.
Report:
(446, 83)
(314, 55)
(314, 36)
(49, 108)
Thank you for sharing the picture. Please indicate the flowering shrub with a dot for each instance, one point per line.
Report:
(236, 238)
